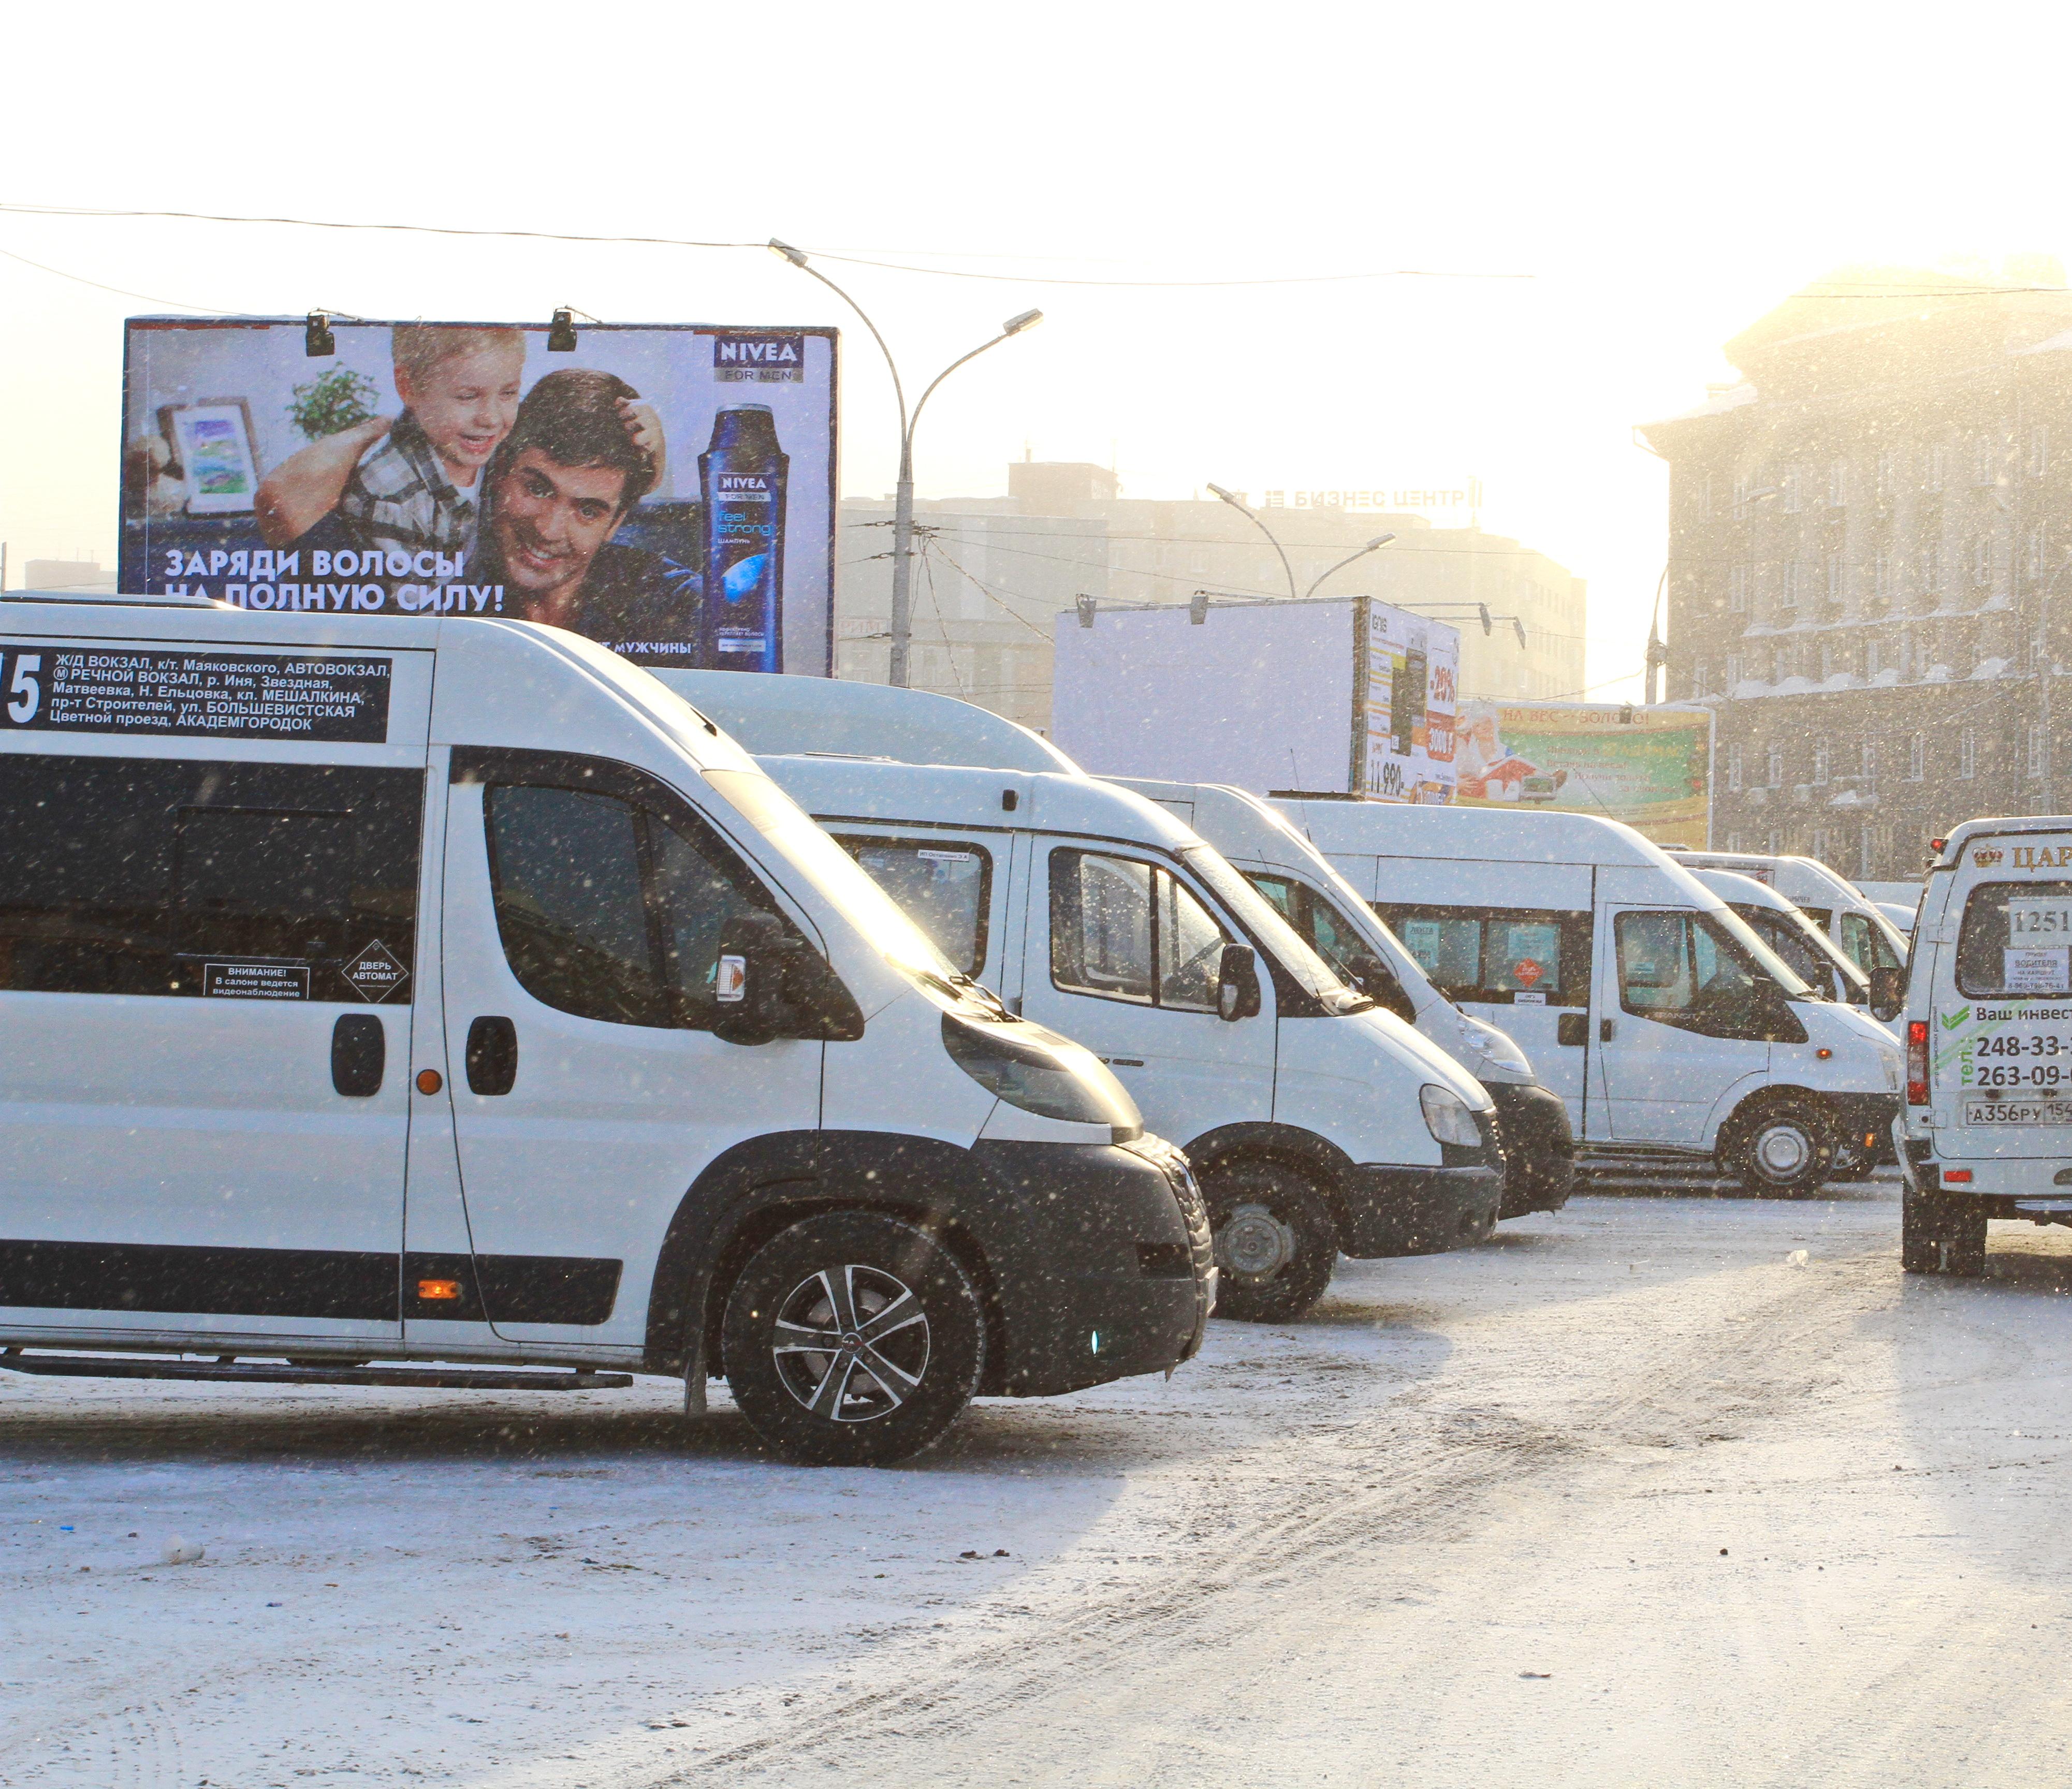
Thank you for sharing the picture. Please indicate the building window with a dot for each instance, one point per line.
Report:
(2033, 548)
(1931, 568)
(1734, 766)
(1826, 659)
(1734, 843)
(1888, 471)
(1838, 485)
(1791, 581)
(1868, 851)
(1917, 753)
(2035, 750)
(2039, 450)
(1733, 671)
(1698, 678)
(1873, 657)
(1985, 458)
(1769, 843)
(1737, 589)
(1967, 754)
(1982, 560)
(1701, 496)
(1867, 766)
(1938, 465)
(1741, 489)
(1823, 842)
(1791, 498)
(1835, 580)
(1776, 767)
(1820, 761)
(1882, 576)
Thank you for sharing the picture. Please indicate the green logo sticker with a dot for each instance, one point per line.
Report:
(1952, 1020)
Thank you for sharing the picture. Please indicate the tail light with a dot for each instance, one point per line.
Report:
(1917, 1062)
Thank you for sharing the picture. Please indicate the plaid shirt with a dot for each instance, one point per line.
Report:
(399, 496)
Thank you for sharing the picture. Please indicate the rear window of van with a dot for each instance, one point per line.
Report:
(2015, 939)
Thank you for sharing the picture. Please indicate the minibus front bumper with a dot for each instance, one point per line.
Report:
(1110, 1273)
(1419, 1211)
(1538, 1146)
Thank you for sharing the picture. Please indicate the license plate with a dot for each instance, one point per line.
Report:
(1989, 1114)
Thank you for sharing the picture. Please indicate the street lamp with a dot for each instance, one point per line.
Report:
(1237, 504)
(902, 508)
(1380, 541)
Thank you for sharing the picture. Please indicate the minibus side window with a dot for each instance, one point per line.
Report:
(1326, 931)
(1867, 945)
(1680, 968)
(946, 889)
(609, 911)
(1499, 956)
(1125, 930)
(1777, 931)
(2014, 940)
(207, 878)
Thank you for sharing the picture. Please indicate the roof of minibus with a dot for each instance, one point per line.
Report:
(1403, 829)
(793, 715)
(1742, 891)
(832, 788)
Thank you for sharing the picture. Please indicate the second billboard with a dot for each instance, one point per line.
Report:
(668, 491)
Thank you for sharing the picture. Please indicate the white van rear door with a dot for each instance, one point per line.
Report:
(208, 911)
(2001, 1025)
(589, 1091)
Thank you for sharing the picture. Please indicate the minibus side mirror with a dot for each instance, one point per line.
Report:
(770, 984)
(1237, 983)
(1888, 992)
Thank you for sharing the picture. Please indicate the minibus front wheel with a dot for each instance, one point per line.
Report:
(1781, 1147)
(1276, 1240)
(852, 1338)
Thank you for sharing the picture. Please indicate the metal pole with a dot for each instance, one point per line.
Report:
(1231, 498)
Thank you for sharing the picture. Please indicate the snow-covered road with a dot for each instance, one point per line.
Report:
(1627, 1496)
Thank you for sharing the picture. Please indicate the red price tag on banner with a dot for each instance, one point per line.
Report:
(1527, 971)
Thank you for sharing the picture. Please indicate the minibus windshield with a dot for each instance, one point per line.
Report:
(1281, 940)
(793, 833)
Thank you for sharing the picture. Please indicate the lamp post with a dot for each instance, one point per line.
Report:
(1377, 542)
(902, 506)
(1238, 504)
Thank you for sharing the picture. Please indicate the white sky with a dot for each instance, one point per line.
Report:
(1664, 173)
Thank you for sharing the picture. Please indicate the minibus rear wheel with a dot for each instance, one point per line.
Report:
(853, 1338)
(1782, 1147)
(1276, 1240)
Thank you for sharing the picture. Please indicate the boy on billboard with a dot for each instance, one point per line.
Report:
(558, 487)
(414, 482)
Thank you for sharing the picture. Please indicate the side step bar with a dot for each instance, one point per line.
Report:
(88, 1366)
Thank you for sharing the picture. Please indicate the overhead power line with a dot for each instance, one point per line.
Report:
(689, 242)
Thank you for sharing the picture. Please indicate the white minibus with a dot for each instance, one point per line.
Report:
(1532, 1121)
(392, 989)
(1866, 932)
(1672, 1030)
(1317, 1121)
(1988, 1127)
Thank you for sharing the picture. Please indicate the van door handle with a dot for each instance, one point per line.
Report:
(492, 1056)
(1604, 1030)
(358, 1055)
(1572, 1028)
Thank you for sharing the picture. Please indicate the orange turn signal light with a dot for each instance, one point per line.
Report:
(438, 1288)
(429, 1080)
(1823, 1053)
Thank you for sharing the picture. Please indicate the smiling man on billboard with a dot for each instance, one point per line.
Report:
(558, 488)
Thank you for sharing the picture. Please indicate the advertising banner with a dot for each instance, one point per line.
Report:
(1413, 672)
(1650, 767)
(667, 489)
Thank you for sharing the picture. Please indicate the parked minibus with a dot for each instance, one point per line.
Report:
(1866, 932)
(1670, 1028)
(1533, 1122)
(1987, 1129)
(1309, 1138)
(301, 913)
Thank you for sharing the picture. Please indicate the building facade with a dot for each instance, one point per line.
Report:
(1870, 564)
(991, 575)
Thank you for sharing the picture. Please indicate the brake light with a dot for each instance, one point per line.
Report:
(1917, 1062)
(1956, 1177)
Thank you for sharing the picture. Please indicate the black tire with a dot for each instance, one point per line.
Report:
(1782, 1149)
(853, 1403)
(1941, 1235)
(1276, 1240)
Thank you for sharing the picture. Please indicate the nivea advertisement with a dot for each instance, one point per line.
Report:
(668, 489)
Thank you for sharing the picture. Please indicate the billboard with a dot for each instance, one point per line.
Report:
(1408, 697)
(1650, 767)
(668, 489)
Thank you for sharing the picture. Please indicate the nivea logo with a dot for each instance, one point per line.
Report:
(758, 351)
(732, 481)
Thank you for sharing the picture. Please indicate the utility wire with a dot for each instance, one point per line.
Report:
(120, 292)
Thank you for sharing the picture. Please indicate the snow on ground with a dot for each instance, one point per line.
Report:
(1625, 1496)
